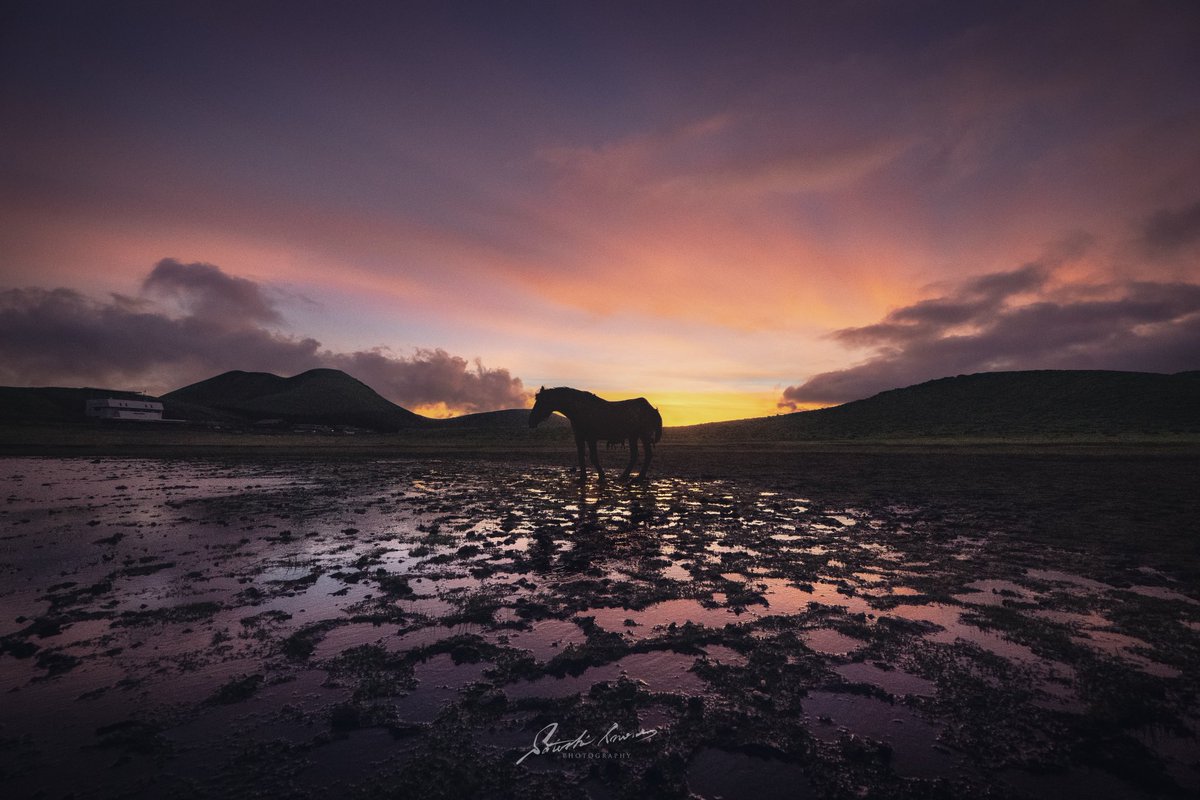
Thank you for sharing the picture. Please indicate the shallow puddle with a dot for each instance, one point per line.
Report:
(831, 642)
(1126, 648)
(724, 655)
(220, 622)
(894, 681)
(1163, 593)
(661, 671)
(912, 739)
(643, 622)
(995, 593)
(546, 638)
(784, 597)
(1058, 576)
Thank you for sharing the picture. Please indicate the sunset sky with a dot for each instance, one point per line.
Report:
(734, 209)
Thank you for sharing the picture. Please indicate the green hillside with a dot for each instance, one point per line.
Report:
(1031, 404)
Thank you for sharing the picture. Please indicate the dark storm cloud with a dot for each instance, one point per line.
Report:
(204, 291)
(1138, 325)
(1171, 229)
(62, 337)
(1002, 284)
(976, 301)
(434, 376)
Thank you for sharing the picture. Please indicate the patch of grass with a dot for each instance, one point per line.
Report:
(301, 644)
(189, 612)
(237, 690)
(393, 585)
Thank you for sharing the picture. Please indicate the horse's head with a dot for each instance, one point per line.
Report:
(541, 408)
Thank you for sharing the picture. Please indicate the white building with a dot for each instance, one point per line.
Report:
(114, 408)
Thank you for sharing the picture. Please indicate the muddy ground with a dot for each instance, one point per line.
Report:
(753, 624)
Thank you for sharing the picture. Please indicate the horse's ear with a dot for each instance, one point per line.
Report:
(541, 390)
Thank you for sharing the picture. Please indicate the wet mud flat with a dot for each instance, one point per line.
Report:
(738, 626)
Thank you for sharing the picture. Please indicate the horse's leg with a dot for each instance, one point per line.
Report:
(649, 452)
(582, 463)
(595, 458)
(632, 457)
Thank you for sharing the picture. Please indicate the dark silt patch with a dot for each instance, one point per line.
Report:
(738, 628)
(715, 774)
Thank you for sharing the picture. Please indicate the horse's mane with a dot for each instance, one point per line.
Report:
(574, 392)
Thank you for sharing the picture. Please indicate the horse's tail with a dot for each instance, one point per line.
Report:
(657, 424)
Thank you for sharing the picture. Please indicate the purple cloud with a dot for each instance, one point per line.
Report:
(204, 291)
(1171, 229)
(983, 326)
(62, 337)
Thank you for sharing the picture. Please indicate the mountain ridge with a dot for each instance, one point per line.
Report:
(987, 405)
(316, 396)
(1001, 404)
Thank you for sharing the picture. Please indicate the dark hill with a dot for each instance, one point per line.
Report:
(1055, 403)
(319, 396)
(990, 405)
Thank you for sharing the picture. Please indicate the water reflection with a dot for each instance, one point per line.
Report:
(194, 577)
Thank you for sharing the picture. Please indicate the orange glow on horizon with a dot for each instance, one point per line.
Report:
(438, 411)
(677, 407)
(693, 408)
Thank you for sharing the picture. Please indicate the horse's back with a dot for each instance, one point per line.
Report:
(638, 408)
(643, 417)
(620, 419)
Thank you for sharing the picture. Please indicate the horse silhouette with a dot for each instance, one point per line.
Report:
(593, 418)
